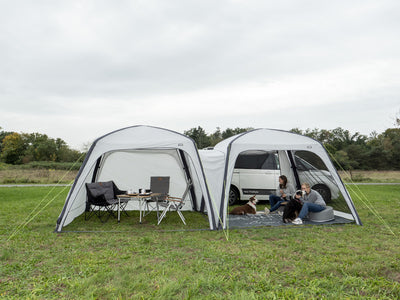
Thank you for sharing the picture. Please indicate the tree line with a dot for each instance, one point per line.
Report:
(24, 148)
(347, 150)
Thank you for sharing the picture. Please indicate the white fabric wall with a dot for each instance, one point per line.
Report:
(133, 169)
(214, 165)
(197, 176)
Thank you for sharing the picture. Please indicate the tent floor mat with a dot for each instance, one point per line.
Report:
(274, 219)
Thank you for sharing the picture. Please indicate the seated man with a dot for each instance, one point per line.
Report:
(312, 201)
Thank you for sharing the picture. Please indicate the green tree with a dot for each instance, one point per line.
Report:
(352, 147)
(215, 137)
(357, 155)
(203, 140)
(3, 134)
(296, 130)
(391, 145)
(341, 160)
(13, 148)
(24, 148)
(40, 148)
(199, 136)
(65, 154)
(231, 132)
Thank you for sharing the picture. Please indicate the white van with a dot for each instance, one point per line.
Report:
(257, 173)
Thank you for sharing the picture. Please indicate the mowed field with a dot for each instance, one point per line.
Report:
(128, 260)
(43, 176)
(46, 176)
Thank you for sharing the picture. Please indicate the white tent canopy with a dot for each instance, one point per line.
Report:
(285, 143)
(129, 157)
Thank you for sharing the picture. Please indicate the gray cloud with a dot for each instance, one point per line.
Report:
(64, 63)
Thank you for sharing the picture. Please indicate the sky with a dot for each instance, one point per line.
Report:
(77, 70)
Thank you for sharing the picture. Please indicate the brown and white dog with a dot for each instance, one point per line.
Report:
(248, 208)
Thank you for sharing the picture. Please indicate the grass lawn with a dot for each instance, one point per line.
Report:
(145, 261)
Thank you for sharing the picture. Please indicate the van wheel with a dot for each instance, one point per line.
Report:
(233, 196)
(324, 191)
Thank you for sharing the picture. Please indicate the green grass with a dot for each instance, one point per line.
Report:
(145, 261)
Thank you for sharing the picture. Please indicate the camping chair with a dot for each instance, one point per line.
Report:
(102, 197)
(158, 185)
(174, 203)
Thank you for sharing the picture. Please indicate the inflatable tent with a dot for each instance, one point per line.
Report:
(289, 148)
(129, 157)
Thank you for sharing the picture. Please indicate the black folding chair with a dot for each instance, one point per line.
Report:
(102, 200)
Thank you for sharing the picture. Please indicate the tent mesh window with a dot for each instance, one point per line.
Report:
(312, 169)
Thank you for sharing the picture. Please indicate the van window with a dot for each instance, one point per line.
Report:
(306, 160)
(257, 160)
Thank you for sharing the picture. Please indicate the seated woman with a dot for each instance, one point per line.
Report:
(312, 201)
(283, 193)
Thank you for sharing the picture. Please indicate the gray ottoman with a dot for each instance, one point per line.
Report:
(322, 216)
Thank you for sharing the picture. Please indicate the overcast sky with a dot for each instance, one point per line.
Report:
(77, 70)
